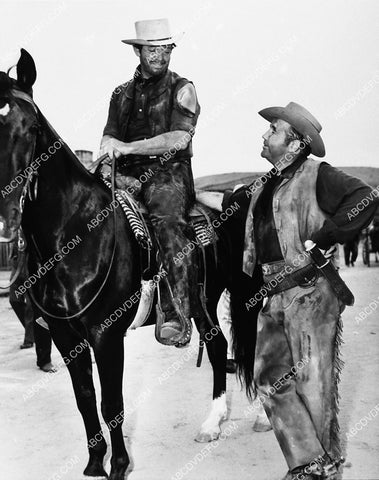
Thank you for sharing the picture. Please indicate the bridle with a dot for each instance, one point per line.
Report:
(21, 242)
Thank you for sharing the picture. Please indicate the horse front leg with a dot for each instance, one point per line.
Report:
(75, 352)
(109, 353)
(216, 348)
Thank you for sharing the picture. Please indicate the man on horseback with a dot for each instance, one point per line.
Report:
(297, 365)
(150, 125)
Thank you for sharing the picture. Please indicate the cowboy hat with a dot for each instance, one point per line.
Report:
(153, 33)
(302, 120)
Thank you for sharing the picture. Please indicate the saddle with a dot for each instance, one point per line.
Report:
(138, 217)
(200, 219)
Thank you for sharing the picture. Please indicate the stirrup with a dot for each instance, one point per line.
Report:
(182, 339)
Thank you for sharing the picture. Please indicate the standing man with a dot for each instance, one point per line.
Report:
(297, 364)
(150, 125)
(28, 316)
(21, 303)
(350, 250)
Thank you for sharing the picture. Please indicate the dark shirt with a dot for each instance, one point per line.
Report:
(140, 92)
(337, 195)
(138, 125)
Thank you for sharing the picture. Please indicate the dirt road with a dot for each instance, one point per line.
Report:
(42, 435)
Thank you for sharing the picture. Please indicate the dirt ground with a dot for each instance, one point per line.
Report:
(42, 435)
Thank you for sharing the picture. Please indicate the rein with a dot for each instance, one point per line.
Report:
(21, 243)
(70, 317)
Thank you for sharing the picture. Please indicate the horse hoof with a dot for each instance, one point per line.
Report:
(95, 471)
(205, 437)
(96, 477)
(262, 424)
(119, 466)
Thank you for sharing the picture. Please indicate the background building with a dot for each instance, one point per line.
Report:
(85, 156)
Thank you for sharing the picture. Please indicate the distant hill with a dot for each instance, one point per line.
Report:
(223, 181)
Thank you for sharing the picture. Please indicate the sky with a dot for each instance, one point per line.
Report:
(242, 56)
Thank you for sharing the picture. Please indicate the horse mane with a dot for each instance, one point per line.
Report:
(70, 155)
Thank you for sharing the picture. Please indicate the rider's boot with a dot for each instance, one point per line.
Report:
(174, 326)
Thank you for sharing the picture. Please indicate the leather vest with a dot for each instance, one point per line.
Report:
(297, 216)
(162, 101)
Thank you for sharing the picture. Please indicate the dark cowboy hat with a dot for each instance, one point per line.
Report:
(154, 33)
(302, 120)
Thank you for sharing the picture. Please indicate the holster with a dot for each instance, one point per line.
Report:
(280, 281)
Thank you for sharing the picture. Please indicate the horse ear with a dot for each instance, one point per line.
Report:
(26, 71)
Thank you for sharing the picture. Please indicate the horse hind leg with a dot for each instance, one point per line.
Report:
(109, 353)
(76, 355)
(217, 349)
(262, 423)
(211, 427)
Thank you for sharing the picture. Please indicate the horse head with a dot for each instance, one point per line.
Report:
(18, 134)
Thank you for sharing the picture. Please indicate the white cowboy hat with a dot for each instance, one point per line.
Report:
(153, 32)
(304, 122)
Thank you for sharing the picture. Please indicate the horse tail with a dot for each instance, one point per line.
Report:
(244, 327)
(244, 308)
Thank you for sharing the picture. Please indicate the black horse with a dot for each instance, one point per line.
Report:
(79, 276)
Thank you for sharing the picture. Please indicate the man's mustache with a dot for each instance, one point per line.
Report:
(158, 62)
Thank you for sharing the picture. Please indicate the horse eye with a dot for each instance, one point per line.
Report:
(4, 107)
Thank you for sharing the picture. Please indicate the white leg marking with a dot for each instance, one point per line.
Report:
(210, 429)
